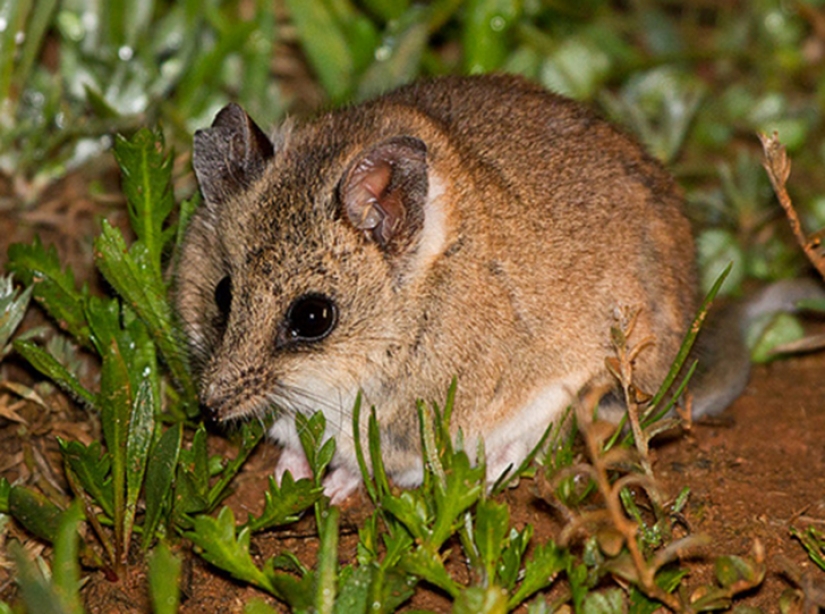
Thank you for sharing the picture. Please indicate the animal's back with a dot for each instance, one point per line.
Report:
(591, 221)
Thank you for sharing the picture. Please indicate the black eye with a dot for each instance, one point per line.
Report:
(311, 317)
(223, 296)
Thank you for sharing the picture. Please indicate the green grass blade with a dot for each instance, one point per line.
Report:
(387, 10)
(115, 408)
(251, 435)
(359, 451)
(160, 470)
(66, 566)
(141, 431)
(401, 55)
(13, 13)
(39, 594)
(487, 25)
(39, 21)
(676, 366)
(325, 44)
(164, 578)
(541, 570)
(326, 587)
(203, 77)
(687, 343)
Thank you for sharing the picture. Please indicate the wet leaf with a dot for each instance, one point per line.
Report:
(53, 286)
(139, 440)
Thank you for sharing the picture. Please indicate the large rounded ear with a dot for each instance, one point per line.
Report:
(230, 155)
(384, 191)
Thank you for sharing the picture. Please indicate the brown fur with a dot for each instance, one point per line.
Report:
(548, 221)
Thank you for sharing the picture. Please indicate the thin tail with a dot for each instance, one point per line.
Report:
(724, 358)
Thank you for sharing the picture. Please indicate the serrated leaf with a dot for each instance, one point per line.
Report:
(311, 434)
(813, 542)
(48, 365)
(354, 590)
(160, 470)
(147, 184)
(510, 562)
(609, 601)
(164, 579)
(410, 509)
(540, 571)
(192, 484)
(195, 460)
(53, 287)
(285, 503)
(131, 274)
(463, 488)
(230, 552)
(91, 466)
(491, 526)
(428, 566)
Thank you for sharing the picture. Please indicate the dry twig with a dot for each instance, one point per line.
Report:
(778, 166)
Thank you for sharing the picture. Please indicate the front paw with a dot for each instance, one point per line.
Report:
(339, 482)
(295, 461)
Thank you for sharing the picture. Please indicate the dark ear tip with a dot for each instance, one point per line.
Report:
(230, 114)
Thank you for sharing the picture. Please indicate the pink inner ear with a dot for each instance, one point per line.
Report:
(377, 178)
(366, 194)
